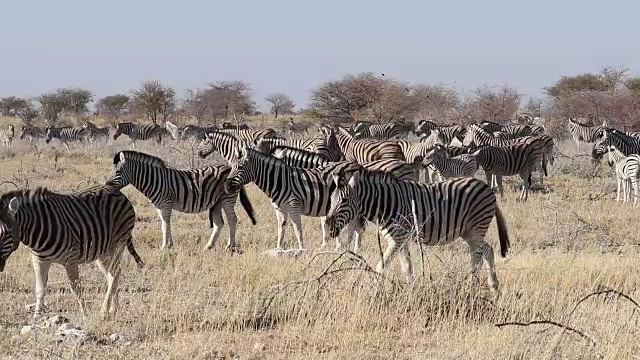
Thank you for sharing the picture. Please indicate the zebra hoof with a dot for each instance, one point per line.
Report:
(233, 249)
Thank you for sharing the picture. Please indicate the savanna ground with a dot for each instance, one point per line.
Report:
(188, 303)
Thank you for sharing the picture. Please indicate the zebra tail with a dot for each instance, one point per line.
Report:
(134, 253)
(246, 204)
(502, 233)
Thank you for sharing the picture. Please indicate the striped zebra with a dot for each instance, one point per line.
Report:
(439, 163)
(415, 152)
(196, 133)
(67, 134)
(186, 191)
(250, 136)
(584, 133)
(439, 213)
(70, 229)
(425, 127)
(362, 151)
(96, 132)
(450, 132)
(316, 145)
(7, 135)
(627, 173)
(308, 160)
(379, 132)
(521, 159)
(221, 142)
(293, 191)
(32, 132)
(509, 131)
(140, 132)
(611, 137)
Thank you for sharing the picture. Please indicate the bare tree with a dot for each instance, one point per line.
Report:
(437, 102)
(154, 99)
(280, 104)
(52, 104)
(112, 107)
(235, 96)
(7, 105)
(495, 103)
(26, 110)
(77, 99)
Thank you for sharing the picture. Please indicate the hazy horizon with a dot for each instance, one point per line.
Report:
(291, 47)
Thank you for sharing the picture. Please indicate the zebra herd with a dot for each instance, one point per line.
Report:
(346, 177)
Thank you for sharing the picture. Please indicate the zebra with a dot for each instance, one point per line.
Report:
(139, 132)
(510, 131)
(251, 136)
(521, 159)
(584, 133)
(415, 152)
(96, 132)
(438, 213)
(316, 145)
(32, 132)
(425, 127)
(67, 134)
(625, 143)
(627, 173)
(362, 151)
(222, 142)
(451, 132)
(95, 224)
(379, 132)
(187, 191)
(196, 133)
(7, 135)
(293, 191)
(304, 159)
(438, 159)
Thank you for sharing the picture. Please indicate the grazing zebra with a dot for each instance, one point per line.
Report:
(96, 132)
(425, 127)
(379, 132)
(521, 159)
(585, 133)
(509, 131)
(627, 173)
(67, 134)
(187, 191)
(70, 229)
(438, 162)
(439, 213)
(139, 132)
(32, 132)
(7, 135)
(362, 151)
(196, 133)
(228, 125)
(293, 191)
(250, 136)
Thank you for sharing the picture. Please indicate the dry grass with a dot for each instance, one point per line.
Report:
(189, 303)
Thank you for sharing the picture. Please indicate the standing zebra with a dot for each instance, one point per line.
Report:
(627, 173)
(362, 151)
(70, 229)
(625, 143)
(96, 132)
(451, 132)
(509, 131)
(67, 134)
(521, 159)
(196, 133)
(174, 130)
(316, 145)
(139, 132)
(7, 135)
(251, 136)
(425, 127)
(442, 213)
(584, 133)
(221, 142)
(380, 132)
(187, 191)
(32, 132)
(438, 161)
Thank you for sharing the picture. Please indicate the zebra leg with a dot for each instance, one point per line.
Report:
(634, 185)
(216, 222)
(296, 220)
(481, 249)
(76, 288)
(165, 218)
(323, 226)
(110, 267)
(619, 182)
(524, 194)
(499, 185)
(405, 262)
(282, 222)
(392, 248)
(233, 222)
(41, 269)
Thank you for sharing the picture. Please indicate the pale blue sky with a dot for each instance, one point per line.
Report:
(292, 46)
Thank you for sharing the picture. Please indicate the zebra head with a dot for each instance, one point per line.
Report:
(23, 130)
(51, 132)
(438, 150)
(344, 203)
(598, 151)
(120, 129)
(10, 234)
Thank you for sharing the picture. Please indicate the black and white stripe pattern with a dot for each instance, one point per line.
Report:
(425, 127)
(509, 131)
(187, 191)
(32, 132)
(363, 151)
(251, 136)
(140, 132)
(69, 229)
(196, 133)
(439, 213)
(316, 145)
(379, 132)
(446, 168)
(7, 135)
(627, 173)
(585, 133)
(452, 132)
(67, 134)
(626, 144)
(95, 132)
(223, 143)
(521, 159)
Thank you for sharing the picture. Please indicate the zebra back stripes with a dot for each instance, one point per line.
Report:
(196, 133)
(463, 166)
(7, 135)
(67, 134)
(32, 132)
(139, 132)
(626, 144)
(509, 131)
(69, 229)
(316, 145)
(362, 151)
(627, 173)
(187, 191)
(251, 136)
(96, 132)
(584, 133)
(425, 127)
(439, 212)
(379, 132)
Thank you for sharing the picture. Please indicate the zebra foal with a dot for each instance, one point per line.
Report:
(187, 191)
(443, 212)
(627, 173)
(70, 229)
(438, 162)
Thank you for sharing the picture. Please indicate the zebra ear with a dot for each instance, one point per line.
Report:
(354, 179)
(336, 179)
(122, 159)
(14, 204)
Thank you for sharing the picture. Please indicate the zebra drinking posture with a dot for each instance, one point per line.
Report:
(443, 212)
(187, 191)
(32, 132)
(69, 229)
(585, 133)
(7, 135)
(139, 132)
(67, 134)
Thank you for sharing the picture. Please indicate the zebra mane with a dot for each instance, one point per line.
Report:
(140, 157)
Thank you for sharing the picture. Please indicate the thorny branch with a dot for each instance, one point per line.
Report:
(550, 322)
